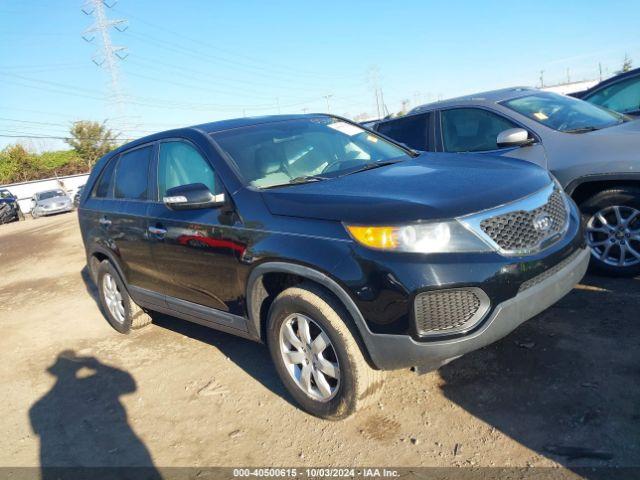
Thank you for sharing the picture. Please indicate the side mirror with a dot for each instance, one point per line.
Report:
(192, 196)
(514, 137)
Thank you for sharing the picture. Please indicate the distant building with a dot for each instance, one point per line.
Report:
(570, 87)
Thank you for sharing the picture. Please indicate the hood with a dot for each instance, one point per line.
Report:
(54, 200)
(608, 150)
(429, 187)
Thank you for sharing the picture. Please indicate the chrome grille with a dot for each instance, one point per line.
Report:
(526, 230)
(445, 312)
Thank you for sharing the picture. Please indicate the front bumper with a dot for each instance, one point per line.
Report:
(53, 211)
(390, 352)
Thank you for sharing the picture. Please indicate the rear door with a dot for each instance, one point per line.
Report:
(125, 219)
(194, 261)
(475, 130)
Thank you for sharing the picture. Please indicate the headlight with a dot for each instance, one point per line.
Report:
(432, 237)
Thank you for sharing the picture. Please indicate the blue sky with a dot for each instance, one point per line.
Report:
(195, 61)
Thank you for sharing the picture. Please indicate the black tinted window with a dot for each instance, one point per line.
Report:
(103, 187)
(472, 129)
(411, 130)
(131, 174)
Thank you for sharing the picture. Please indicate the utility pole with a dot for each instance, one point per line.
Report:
(305, 110)
(541, 78)
(600, 70)
(568, 76)
(278, 103)
(107, 54)
(373, 78)
(327, 97)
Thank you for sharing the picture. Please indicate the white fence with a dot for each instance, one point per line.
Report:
(25, 190)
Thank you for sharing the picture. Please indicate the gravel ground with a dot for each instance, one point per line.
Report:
(562, 390)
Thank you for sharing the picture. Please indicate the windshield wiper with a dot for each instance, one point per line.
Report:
(582, 130)
(299, 180)
(369, 166)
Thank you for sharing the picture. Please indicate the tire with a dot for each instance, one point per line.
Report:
(357, 384)
(625, 200)
(130, 316)
(20, 215)
(34, 215)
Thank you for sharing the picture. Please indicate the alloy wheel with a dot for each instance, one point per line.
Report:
(113, 298)
(309, 357)
(613, 234)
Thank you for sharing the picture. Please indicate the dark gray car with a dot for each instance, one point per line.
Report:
(593, 152)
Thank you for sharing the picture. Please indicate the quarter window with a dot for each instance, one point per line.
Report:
(181, 164)
(132, 173)
(411, 130)
(472, 129)
(103, 187)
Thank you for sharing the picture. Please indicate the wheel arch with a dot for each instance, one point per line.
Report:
(257, 295)
(583, 188)
(97, 255)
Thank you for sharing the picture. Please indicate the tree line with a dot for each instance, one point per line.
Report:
(88, 141)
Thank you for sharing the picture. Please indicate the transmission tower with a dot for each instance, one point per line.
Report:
(107, 55)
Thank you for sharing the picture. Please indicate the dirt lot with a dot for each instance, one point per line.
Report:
(564, 389)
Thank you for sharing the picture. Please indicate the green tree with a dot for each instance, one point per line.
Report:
(91, 140)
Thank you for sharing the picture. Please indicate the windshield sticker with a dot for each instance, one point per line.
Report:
(346, 128)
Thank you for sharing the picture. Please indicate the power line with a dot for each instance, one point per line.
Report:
(108, 55)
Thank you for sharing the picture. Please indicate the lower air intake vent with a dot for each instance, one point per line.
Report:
(447, 312)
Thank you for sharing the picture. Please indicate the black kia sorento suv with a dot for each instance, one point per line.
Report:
(345, 253)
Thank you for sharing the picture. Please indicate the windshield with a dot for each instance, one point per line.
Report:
(5, 194)
(50, 194)
(562, 113)
(307, 149)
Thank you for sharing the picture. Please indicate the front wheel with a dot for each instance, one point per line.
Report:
(316, 355)
(612, 219)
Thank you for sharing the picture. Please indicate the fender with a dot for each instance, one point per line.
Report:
(107, 253)
(254, 301)
(601, 177)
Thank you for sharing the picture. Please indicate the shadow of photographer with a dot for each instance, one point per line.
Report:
(82, 423)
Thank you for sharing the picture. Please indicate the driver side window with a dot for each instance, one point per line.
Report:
(181, 164)
(472, 129)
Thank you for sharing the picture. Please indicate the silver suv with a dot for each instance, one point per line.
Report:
(594, 153)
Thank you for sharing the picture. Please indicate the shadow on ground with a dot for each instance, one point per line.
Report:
(82, 423)
(566, 383)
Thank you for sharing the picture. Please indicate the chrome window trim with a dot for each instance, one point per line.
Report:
(531, 202)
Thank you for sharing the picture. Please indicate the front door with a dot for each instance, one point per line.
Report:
(193, 261)
(475, 130)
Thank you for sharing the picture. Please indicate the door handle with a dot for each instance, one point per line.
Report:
(105, 222)
(158, 231)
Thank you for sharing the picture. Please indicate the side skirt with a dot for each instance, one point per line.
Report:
(192, 312)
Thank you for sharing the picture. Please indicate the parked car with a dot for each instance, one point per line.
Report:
(358, 255)
(620, 93)
(76, 197)
(50, 202)
(593, 152)
(9, 207)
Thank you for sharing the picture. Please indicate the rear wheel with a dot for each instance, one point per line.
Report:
(316, 354)
(120, 310)
(612, 219)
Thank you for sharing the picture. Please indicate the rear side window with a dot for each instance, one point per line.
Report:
(132, 174)
(472, 129)
(181, 164)
(411, 130)
(103, 187)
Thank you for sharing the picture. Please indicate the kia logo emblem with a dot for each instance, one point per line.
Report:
(542, 222)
